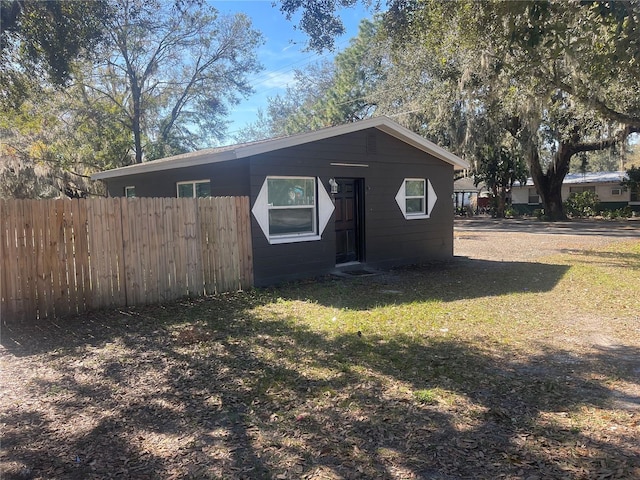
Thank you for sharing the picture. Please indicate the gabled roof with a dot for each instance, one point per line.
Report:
(232, 152)
(467, 184)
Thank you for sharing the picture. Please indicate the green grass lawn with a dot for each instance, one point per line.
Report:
(473, 369)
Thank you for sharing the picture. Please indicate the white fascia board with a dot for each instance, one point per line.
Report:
(423, 144)
(301, 139)
(187, 160)
(383, 124)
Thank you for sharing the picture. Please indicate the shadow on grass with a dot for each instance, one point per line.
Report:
(461, 279)
(209, 389)
(607, 258)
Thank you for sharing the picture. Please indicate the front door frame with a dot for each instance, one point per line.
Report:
(358, 211)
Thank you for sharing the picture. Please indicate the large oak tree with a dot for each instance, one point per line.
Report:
(566, 72)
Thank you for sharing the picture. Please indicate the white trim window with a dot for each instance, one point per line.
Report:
(616, 192)
(292, 209)
(292, 206)
(534, 198)
(416, 198)
(130, 191)
(193, 189)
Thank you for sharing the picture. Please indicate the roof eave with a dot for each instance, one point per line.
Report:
(190, 160)
(423, 144)
(383, 124)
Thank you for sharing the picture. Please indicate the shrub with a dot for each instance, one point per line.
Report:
(511, 212)
(581, 205)
(626, 212)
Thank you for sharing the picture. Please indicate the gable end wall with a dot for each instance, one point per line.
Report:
(390, 240)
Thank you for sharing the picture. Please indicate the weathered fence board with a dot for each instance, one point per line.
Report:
(65, 256)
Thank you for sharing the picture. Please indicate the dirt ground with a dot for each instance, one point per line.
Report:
(513, 240)
(117, 395)
(516, 240)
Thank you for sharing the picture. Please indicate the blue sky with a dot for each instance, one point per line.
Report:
(282, 53)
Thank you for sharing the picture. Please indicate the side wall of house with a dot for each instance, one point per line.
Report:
(227, 179)
(383, 162)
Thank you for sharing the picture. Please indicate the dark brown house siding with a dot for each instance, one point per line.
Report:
(389, 238)
(227, 179)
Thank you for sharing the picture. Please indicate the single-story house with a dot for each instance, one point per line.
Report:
(469, 197)
(606, 185)
(366, 194)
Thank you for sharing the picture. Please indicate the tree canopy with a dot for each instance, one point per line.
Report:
(42, 40)
(159, 79)
(172, 73)
(564, 75)
(326, 94)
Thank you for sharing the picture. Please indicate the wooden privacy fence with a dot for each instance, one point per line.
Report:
(64, 256)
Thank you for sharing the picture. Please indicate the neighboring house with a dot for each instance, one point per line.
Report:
(371, 193)
(606, 185)
(469, 197)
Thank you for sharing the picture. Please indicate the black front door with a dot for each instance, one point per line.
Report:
(348, 203)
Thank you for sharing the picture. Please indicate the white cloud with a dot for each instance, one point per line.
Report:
(276, 79)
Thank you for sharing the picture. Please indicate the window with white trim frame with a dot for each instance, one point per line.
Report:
(292, 206)
(292, 209)
(415, 196)
(130, 192)
(194, 189)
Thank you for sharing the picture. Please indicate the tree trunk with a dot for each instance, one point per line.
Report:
(135, 124)
(549, 184)
(137, 140)
(136, 114)
(502, 203)
(552, 202)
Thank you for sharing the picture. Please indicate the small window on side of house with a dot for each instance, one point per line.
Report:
(415, 195)
(534, 198)
(194, 189)
(616, 192)
(130, 192)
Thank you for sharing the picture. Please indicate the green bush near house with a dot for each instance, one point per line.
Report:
(626, 212)
(511, 212)
(582, 204)
(539, 213)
